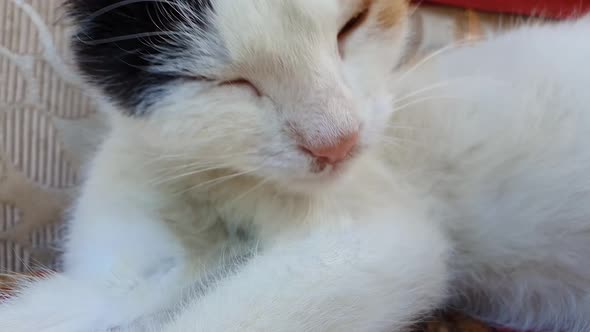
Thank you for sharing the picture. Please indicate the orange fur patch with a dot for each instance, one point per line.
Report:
(390, 12)
(365, 4)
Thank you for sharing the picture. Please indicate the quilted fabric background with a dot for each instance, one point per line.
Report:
(40, 106)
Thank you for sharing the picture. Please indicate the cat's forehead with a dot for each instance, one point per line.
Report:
(301, 11)
(264, 31)
(248, 16)
(135, 49)
(261, 30)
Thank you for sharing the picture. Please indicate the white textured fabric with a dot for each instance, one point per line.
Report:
(40, 104)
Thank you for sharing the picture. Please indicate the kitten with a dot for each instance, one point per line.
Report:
(363, 196)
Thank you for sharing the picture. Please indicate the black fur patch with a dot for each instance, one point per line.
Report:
(116, 40)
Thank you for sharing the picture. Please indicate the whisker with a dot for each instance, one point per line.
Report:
(421, 100)
(403, 143)
(194, 168)
(165, 180)
(166, 169)
(190, 156)
(429, 58)
(413, 10)
(161, 9)
(445, 83)
(249, 191)
(140, 35)
(219, 180)
(114, 6)
(396, 126)
(399, 139)
(392, 142)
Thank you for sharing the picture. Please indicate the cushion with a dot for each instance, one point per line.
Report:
(547, 8)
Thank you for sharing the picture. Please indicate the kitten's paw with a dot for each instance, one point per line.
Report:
(61, 303)
(53, 304)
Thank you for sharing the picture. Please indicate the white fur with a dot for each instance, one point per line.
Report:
(477, 186)
(503, 144)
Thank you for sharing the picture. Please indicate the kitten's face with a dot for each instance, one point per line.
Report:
(287, 90)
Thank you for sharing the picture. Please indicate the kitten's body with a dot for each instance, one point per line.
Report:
(475, 195)
(505, 150)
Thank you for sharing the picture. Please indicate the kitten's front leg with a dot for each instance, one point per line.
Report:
(123, 258)
(379, 276)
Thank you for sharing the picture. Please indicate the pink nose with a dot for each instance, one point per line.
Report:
(333, 154)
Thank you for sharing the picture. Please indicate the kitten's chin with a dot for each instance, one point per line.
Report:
(314, 182)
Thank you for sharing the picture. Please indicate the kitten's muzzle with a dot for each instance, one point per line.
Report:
(332, 154)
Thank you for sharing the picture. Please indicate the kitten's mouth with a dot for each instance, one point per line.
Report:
(325, 173)
(321, 174)
(329, 159)
(326, 169)
(319, 177)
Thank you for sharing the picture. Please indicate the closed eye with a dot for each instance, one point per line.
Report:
(242, 83)
(350, 27)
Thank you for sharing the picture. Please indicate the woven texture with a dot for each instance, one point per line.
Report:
(40, 103)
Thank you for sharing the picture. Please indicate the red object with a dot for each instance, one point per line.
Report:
(558, 9)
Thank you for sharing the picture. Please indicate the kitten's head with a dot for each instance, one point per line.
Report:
(286, 90)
